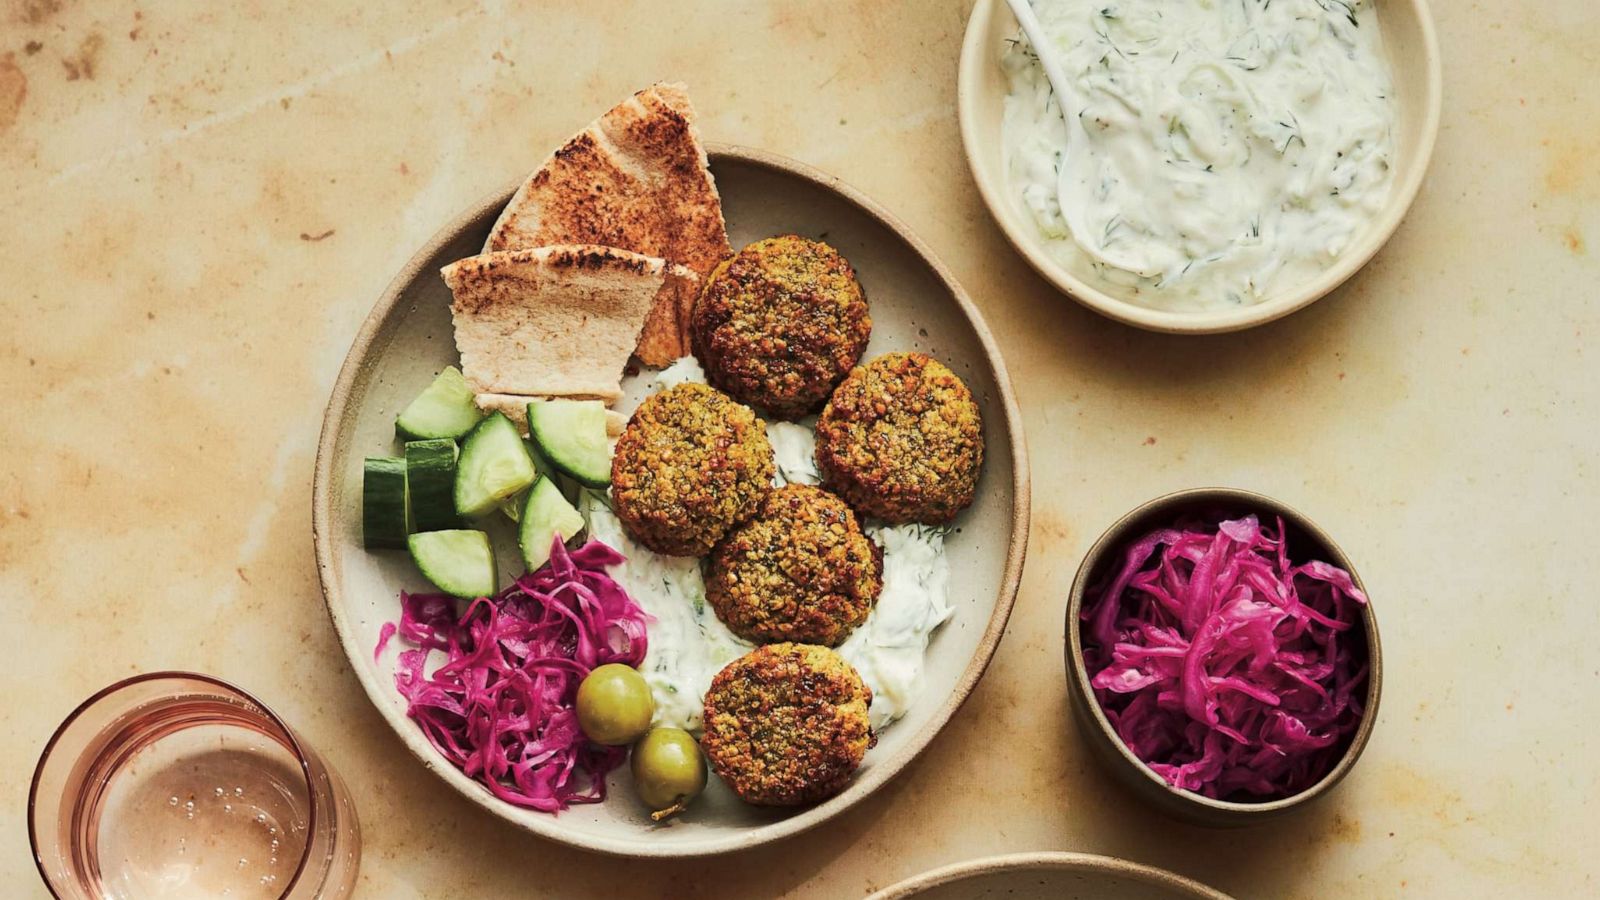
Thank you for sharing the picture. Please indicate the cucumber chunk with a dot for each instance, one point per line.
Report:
(571, 434)
(545, 515)
(569, 487)
(537, 455)
(385, 514)
(458, 562)
(445, 409)
(431, 476)
(512, 505)
(493, 466)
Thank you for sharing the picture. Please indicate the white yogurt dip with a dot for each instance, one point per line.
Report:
(688, 644)
(1219, 150)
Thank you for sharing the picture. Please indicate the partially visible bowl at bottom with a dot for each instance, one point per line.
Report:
(1048, 876)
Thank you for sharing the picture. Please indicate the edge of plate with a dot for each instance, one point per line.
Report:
(374, 327)
(1053, 860)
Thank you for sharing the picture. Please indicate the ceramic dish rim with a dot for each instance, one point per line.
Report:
(1046, 859)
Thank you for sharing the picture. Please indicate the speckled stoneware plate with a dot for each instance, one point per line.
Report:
(1413, 50)
(915, 305)
(1049, 876)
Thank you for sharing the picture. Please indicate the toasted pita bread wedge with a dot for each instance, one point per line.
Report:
(666, 330)
(637, 179)
(515, 408)
(555, 321)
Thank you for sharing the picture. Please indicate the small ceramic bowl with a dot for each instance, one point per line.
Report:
(1048, 876)
(1413, 51)
(1306, 541)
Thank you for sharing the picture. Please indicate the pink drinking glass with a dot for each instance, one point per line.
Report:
(173, 784)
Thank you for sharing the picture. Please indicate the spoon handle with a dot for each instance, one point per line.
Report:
(1046, 52)
(1070, 175)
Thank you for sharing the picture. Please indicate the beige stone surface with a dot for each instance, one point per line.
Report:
(200, 201)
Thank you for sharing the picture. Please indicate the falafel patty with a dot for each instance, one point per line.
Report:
(800, 570)
(691, 464)
(786, 724)
(902, 440)
(780, 323)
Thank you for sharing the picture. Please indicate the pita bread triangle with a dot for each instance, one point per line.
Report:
(636, 179)
(558, 321)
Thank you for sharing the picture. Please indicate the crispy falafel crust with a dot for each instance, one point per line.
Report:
(800, 570)
(779, 324)
(902, 440)
(786, 724)
(691, 464)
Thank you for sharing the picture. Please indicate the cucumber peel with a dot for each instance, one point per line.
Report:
(385, 505)
(431, 479)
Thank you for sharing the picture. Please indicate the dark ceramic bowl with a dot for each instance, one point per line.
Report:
(1306, 541)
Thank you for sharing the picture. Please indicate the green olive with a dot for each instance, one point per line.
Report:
(668, 770)
(614, 705)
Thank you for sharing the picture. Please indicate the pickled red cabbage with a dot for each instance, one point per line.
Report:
(1228, 670)
(501, 707)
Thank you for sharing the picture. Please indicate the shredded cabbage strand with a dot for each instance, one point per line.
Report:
(502, 705)
(1223, 667)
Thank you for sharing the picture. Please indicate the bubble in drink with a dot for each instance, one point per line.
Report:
(150, 852)
(132, 768)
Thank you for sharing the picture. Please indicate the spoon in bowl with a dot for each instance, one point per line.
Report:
(1067, 101)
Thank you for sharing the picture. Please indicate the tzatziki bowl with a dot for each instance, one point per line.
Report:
(1211, 167)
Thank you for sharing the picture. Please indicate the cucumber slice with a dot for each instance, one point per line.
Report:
(431, 476)
(445, 409)
(458, 562)
(385, 513)
(512, 505)
(572, 435)
(538, 457)
(569, 487)
(546, 515)
(492, 467)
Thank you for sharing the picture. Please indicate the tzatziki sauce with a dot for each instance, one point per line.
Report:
(1214, 152)
(688, 644)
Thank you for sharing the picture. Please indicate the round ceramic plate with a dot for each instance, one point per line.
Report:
(916, 305)
(1049, 876)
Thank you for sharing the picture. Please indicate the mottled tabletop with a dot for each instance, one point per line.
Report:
(202, 200)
